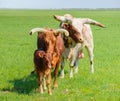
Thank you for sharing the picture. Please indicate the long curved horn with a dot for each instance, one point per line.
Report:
(36, 30)
(92, 22)
(63, 31)
(62, 19)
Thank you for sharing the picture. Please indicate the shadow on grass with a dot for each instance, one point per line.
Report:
(24, 85)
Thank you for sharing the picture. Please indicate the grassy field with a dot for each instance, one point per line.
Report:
(16, 58)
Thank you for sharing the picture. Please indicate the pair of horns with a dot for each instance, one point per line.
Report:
(67, 18)
(43, 30)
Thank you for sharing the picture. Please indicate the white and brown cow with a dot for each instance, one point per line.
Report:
(80, 36)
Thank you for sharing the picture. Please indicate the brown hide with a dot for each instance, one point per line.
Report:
(48, 56)
(40, 61)
(41, 45)
(59, 49)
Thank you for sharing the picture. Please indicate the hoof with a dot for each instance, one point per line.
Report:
(61, 76)
(71, 76)
(75, 71)
(41, 92)
(45, 88)
(92, 71)
(54, 88)
(50, 93)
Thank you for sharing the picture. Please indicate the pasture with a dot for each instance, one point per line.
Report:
(16, 58)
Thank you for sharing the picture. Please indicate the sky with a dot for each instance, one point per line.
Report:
(59, 4)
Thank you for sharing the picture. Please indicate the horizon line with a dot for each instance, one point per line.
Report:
(59, 8)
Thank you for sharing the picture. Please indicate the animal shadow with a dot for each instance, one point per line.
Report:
(24, 85)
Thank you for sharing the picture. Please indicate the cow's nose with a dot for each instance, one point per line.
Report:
(81, 40)
(49, 66)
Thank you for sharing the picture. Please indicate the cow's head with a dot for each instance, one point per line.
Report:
(45, 58)
(49, 36)
(66, 22)
(73, 33)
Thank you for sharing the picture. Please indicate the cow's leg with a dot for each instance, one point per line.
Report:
(71, 71)
(74, 58)
(76, 66)
(40, 81)
(55, 74)
(91, 56)
(80, 56)
(48, 83)
(72, 64)
(75, 54)
(62, 68)
(44, 83)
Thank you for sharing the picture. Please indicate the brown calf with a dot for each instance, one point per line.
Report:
(41, 60)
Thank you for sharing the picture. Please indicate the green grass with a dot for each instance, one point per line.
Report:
(16, 58)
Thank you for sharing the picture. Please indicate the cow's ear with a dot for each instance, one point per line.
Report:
(66, 25)
(42, 54)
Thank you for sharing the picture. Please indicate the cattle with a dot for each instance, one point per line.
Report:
(80, 36)
(41, 60)
(48, 55)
